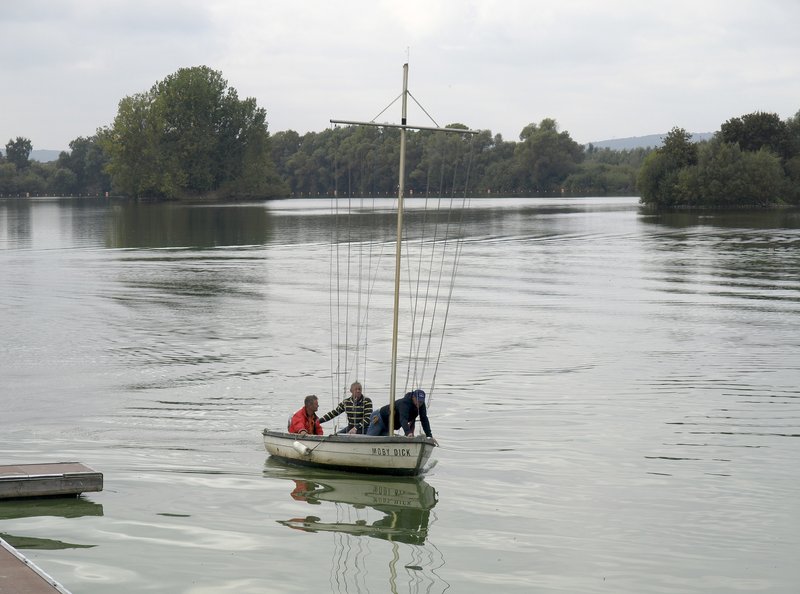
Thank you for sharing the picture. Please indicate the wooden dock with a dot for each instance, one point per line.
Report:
(43, 480)
(19, 575)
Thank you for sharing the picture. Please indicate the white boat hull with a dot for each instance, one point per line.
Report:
(392, 455)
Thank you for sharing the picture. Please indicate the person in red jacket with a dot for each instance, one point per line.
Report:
(305, 421)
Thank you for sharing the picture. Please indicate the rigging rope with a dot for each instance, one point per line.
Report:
(432, 247)
(456, 258)
(353, 260)
(424, 110)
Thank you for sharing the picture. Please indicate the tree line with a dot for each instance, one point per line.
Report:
(753, 161)
(190, 136)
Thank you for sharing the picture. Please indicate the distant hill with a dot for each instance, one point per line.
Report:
(44, 155)
(41, 155)
(651, 140)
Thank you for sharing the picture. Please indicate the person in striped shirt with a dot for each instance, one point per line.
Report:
(358, 409)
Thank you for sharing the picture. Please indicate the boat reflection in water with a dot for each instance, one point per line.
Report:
(349, 507)
(404, 502)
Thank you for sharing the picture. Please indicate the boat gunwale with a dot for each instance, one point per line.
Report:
(347, 438)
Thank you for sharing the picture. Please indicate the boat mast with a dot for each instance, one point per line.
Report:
(400, 195)
(400, 192)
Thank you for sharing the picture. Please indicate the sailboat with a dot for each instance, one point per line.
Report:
(391, 454)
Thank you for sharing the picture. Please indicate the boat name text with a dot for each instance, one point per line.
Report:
(402, 452)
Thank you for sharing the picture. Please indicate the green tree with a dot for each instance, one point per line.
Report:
(191, 135)
(627, 157)
(658, 179)
(726, 176)
(679, 149)
(758, 130)
(545, 157)
(32, 181)
(18, 151)
(8, 179)
(441, 163)
(601, 179)
(284, 145)
(64, 182)
(792, 163)
(139, 163)
(497, 168)
(86, 162)
(793, 134)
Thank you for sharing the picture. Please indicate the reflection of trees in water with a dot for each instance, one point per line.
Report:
(167, 277)
(375, 221)
(160, 225)
(346, 507)
(740, 254)
(744, 219)
(17, 215)
(59, 221)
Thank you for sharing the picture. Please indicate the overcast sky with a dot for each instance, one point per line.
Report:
(602, 69)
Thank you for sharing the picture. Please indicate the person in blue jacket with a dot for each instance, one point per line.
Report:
(406, 411)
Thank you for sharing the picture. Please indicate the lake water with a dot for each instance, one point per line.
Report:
(617, 403)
